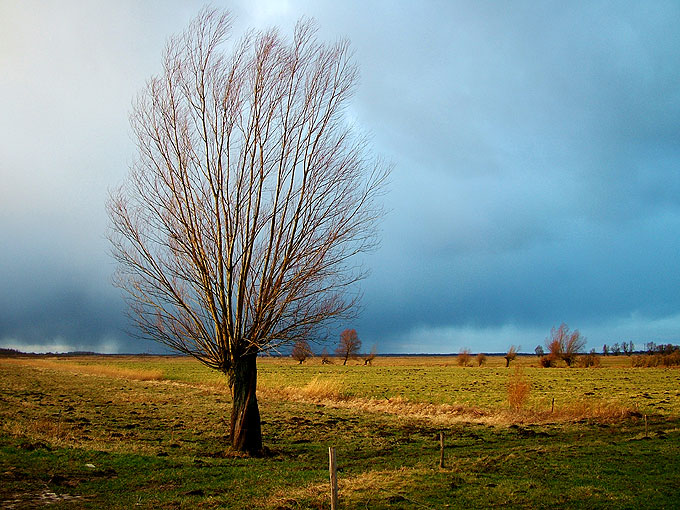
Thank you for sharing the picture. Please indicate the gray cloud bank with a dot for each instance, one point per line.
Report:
(537, 153)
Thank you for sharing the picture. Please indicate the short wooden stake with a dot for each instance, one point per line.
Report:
(646, 430)
(441, 450)
(552, 409)
(333, 470)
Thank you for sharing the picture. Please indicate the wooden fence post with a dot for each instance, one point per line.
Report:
(333, 469)
(441, 450)
(552, 409)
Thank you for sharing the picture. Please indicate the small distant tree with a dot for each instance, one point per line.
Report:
(539, 351)
(510, 356)
(481, 359)
(325, 357)
(631, 348)
(301, 351)
(368, 358)
(605, 350)
(464, 357)
(624, 346)
(616, 349)
(350, 345)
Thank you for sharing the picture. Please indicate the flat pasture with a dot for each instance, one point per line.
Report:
(152, 432)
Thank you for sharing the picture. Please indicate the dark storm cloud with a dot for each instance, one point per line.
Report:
(536, 149)
(537, 178)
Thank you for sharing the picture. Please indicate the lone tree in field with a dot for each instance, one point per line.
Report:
(301, 351)
(248, 197)
(350, 345)
(564, 345)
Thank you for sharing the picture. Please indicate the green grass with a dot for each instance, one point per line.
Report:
(163, 444)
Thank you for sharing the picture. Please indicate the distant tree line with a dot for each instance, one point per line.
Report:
(348, 348)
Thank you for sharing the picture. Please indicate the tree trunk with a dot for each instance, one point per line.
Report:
(246, 433)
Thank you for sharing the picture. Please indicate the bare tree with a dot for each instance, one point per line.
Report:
(510, 355)
(368, 358)
(574, 344)
(301, 351)
(350, 345)
(249, 195)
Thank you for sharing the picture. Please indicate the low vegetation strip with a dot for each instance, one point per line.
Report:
(330, 393)
(105, 370)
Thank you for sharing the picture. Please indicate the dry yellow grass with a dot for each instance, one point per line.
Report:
(330, 394)
(600, 411)
(90, 369)
(317, 389)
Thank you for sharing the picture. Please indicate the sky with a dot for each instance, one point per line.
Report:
(536, 152)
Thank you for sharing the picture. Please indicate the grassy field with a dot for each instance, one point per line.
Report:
(151, 432)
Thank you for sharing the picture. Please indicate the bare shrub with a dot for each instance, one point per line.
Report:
(672, 359)
(464, 358)
(564, 345)
(656, 360)
(548, 360)
(518, 389)
(590, 360)
(481, 359)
